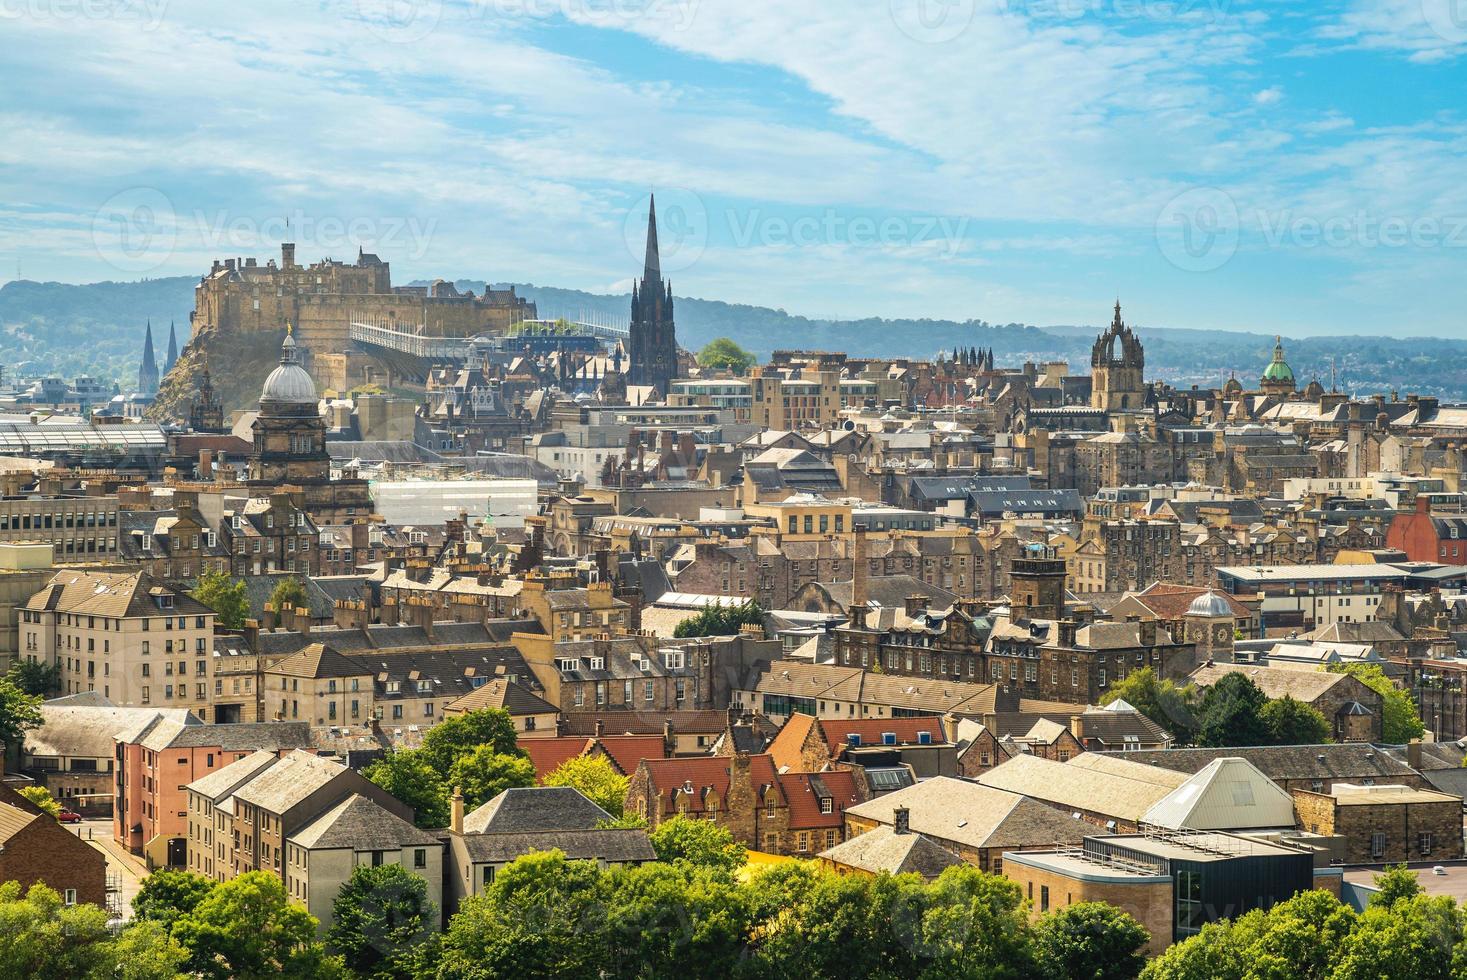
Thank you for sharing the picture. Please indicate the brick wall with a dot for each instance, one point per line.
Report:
(1149, 902)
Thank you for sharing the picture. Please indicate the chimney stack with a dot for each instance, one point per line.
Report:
(901, 820)
(456, 811)
(1077, 728)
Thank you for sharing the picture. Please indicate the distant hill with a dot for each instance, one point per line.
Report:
(97, 329)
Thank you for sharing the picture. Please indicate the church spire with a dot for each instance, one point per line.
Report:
(652, 269)
(172, 349)
(148, 369)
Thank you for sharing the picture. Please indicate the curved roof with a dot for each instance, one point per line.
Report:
(1278, 369)
(1210, 604)
(289, 382)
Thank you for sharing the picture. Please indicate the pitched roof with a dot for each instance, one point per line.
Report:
(1301, 685)
(872, 731)
(785, 748)
(1228, 794)
(222, 782)
(884, 850)
(501, 692)
(113, 594)
(1340, 760)
(288, 782)
(358, 823)
(85, 731)
(685, 782)
(534, 810)
(1113, 791)
(612, 846)
(973, 815)
(13, 820)
(804, 791)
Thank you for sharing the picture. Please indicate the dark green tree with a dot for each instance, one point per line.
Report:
(544, 916)
(974, 925)
(720, 620)
(36, 677)
(228, 598)
(166, 896)
(1172, 707)
(383, 924)
(407, 775)
(700, 843)
(246, 929)
(1395, 883)
(1090, 941)
(1291, 722)
(19, 713)
(1231, 713)
(661, 918)
(453, 738)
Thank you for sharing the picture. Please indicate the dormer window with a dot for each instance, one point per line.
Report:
(827, 805)
(165, 601)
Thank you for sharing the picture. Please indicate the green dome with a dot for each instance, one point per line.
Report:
(1278, 370)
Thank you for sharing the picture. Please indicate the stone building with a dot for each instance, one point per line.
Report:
(1117, 365)
(652, 344)
(1385, 824)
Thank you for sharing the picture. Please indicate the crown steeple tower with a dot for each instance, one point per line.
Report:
(653, 336)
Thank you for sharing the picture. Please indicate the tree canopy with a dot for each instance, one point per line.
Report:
(596, 778)
(720, 620)
(1400, 719)
(476, 750)
(41, 797)
(19, 713)
(289, 593)
(1163, 701)
(383, 923)
(228, 598)
(699, 843)
(723, 353)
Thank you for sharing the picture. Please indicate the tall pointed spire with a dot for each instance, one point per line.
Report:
(172, 358)
(652, 269)
(148, 369)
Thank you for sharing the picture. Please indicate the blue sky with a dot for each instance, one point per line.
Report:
(1288, 167)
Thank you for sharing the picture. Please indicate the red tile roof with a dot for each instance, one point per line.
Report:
(627, 751)
(548, 753)
(1172, 601)
(871, 730)
(671, 777)
(785, 748)
(804, 790)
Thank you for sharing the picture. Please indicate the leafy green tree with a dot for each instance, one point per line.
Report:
(1291, 722)
(720, 620)
(723, 353)
(19, 713)
(382, 924)
(289, 593)
(484, 773)
(144, 951)
(228, 598)
(596, 778)
(700, 843)
(1091, 941)
(974, 925)
(41, 937)
(1395, 883)
(1230, 713)
(1400, 719)
(544, 916)
(1414, 937)
(662, 918)
(41, 797)
(847, 926)
(36, 677)
(246, 929)
(407, 775)
(453, 738)
(1295, 940)
(1172, 707)
(167, 896)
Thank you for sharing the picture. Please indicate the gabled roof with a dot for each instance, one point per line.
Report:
(1116, 791)
(288, 782)
(973, 815)
(358, 823)
(612, 846)
(884, 850)
(1228, 794)
(506, 694)
(13, 820)
(1301, 685)
(872, 731)
(534, 810)
(222, 782)
(1334, 761)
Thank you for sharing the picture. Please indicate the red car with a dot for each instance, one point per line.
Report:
(69, 816)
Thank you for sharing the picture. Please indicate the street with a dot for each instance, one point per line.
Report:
(129, 870)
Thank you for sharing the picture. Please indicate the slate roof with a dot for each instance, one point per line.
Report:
(504, 693)
(884, 850)
(1122, 793)
(289, 781)
(611, 846)
(1301, 685)
(81, 731)
(534, 810)
(1344, 760)
(221, 782)
(973, 815)
(645, 722)
(358, 823)
(238, 737)
(113, 594)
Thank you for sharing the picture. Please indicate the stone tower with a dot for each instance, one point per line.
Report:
(290, 434)
(1209, 627)
(653, 341)
(172, 357)
(1117, 366)
(1037, 584)
(148, 369)
(207, 413)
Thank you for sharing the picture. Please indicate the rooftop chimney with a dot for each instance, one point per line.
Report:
(901, 820)
(456, 811)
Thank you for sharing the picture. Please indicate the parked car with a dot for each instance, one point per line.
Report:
(69, 816)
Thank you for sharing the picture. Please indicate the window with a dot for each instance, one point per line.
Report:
(802, 841)
(826, 805)
(1190, 916)
(70, 896)
(420, 858)
(1377, 845)
(488, 875)
(1044, 898)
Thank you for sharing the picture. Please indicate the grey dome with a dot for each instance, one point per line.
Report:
(1210, 604)
(289, 382)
